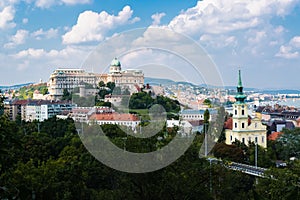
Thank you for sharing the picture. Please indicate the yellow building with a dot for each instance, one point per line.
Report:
(241, 130)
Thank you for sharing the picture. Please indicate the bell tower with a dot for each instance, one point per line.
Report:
(240, 109)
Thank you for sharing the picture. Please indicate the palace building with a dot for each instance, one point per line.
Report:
(130, 78)
(242, 128)
(61, 79)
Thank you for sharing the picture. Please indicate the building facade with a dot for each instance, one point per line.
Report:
(61, 79)
(121, 119)
(241, 129)
(68, 79)
(40, 110)
(192, 115)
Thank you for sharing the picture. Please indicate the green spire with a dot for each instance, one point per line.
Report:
(240, 97)
(240, 80)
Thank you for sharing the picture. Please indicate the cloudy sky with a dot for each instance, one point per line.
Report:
(261, 37)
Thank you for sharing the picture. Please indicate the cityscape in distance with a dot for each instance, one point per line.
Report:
(203, 102)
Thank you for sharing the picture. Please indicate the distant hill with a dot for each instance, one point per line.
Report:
(161, 81)
(158, 81)
(14, 87)
(282, 91)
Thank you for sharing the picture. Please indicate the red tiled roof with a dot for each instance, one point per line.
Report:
(114, 117)
(229, 124)
(274, 135)
(20, 102)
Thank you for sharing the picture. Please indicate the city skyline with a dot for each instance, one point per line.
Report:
(259, 37)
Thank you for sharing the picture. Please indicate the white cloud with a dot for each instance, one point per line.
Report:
(279, 29)
(39, 34)
(73, 2)
(290, 50)
(6, 17)
(31, 53)
(17, 39)
(258, 37)
(220, 41)
(92, 26)
(49, 3)
(287, 52)
(220, 16)
(54, 55)
(45, 3)
(295, 42)
(25, 20)
(157, 17)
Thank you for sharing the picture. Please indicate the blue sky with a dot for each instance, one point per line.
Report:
(261, 37)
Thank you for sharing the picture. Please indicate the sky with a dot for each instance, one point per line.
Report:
(260, 37)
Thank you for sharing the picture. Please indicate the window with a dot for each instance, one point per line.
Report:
(255, 139)
(243, 125)
(231, 138)
(235, 125)
(249, 139)
(243, 112)
(243, 140)
(263, 139)
(235, 112)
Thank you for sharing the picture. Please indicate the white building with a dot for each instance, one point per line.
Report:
(43, 109)
(122, 119)
(68, 79)
(61, 79)
(82, 114)
(195, 115)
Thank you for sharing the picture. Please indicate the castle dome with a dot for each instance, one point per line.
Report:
(115, 66)
(115, 62)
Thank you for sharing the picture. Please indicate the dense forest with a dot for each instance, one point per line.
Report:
(47, 160)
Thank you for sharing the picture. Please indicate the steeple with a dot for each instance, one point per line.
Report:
(240, 79)
(240, 97)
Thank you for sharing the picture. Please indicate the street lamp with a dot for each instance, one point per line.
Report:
(205, 135)
(256, 154)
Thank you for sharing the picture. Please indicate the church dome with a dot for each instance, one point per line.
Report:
(115, 62)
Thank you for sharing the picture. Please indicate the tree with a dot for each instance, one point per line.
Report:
(126, 92)
(66, 95)
(45, 91)
(288, 144)
(206, 121)
(228, 152)
(2, 98)
(207, 102)
(117, 91)
(111, 86)
(101, 84)
(281, 183)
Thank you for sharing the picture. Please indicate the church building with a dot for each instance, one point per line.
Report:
(243, 129)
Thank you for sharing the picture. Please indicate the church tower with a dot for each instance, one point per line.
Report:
(240, 109)
(244, 129)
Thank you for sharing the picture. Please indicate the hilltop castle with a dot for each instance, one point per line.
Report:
(61, 79)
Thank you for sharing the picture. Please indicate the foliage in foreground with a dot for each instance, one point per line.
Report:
(47, 160)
